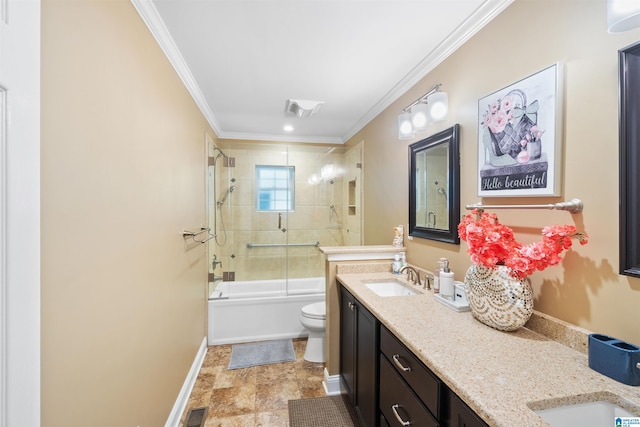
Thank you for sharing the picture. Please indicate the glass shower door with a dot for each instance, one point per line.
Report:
(275, 204)
(250, 220)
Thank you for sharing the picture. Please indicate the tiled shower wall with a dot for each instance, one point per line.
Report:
(326, 212)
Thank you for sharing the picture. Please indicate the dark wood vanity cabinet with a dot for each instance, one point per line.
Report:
(409, 391)
(359, 357)
(460, 415)
(399, 405)
(386, 383)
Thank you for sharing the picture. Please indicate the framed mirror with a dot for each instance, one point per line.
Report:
(629, 70)
(434, 187)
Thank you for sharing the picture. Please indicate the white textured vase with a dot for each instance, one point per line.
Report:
(497, 299)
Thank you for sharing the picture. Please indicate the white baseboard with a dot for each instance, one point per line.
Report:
(331, 384)
(187, 387)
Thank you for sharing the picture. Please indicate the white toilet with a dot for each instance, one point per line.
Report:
(314, 318)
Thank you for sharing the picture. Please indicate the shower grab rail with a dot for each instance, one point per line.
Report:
(573, 206)
(273, 245)
(193, 234)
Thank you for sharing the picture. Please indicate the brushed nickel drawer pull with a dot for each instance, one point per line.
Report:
(396, 360)
(394, 408)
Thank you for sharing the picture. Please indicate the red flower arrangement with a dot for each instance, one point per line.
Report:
(492, 244)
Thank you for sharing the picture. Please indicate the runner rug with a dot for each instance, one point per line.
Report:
(329, 411)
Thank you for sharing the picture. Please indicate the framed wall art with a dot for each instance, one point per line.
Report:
(519, 138)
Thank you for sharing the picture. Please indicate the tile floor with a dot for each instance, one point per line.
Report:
(256, 396)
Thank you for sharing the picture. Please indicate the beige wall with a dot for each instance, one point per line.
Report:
(528, 36)
(123, 166)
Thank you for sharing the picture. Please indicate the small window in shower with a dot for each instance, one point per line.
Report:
(275, 188)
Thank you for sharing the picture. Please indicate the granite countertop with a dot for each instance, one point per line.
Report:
(500, 375)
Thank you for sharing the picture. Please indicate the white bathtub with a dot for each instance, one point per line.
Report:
(260, 309)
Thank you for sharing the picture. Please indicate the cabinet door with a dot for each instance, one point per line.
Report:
(366, 366)
(348, 343)
(359, 358)
(461, 415)
(398, 404)
(422, 381)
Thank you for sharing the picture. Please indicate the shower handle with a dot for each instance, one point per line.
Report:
(280, 223)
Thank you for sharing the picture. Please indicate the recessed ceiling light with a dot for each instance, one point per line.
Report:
(288, 128)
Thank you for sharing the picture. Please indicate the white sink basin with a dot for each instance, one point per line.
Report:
(390, 288)
(591, 414)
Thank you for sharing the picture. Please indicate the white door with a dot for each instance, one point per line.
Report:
(19, 213)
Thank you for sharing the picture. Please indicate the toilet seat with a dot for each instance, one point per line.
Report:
(316, 310)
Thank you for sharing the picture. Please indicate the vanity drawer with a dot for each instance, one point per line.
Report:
(398, 404)
(423, 382)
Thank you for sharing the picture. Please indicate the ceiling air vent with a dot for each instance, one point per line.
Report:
(302, 108)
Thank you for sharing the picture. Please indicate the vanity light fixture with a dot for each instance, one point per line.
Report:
(405, 127)
(302, 108)
(420, 116)
(433, 106)
(438, 106)
(622, 15)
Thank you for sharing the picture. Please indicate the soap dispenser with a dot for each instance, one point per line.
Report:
(396, 264)
(446, 281)
(436, 276)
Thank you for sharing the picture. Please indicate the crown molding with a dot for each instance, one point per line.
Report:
(481, 17)
(280, 138)
(154, 22)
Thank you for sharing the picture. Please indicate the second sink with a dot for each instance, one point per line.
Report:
(584, 414)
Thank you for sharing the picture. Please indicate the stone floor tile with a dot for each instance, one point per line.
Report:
(248, 420)
(279, 418)
(227, 402)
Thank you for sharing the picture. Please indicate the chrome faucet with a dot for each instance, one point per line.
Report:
(412, 274)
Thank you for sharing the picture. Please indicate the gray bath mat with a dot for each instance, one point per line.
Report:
(261, 353)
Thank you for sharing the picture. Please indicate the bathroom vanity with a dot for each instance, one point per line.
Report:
(411, 359)
(386, 383)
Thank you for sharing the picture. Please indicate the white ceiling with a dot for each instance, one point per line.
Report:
(242, 59)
